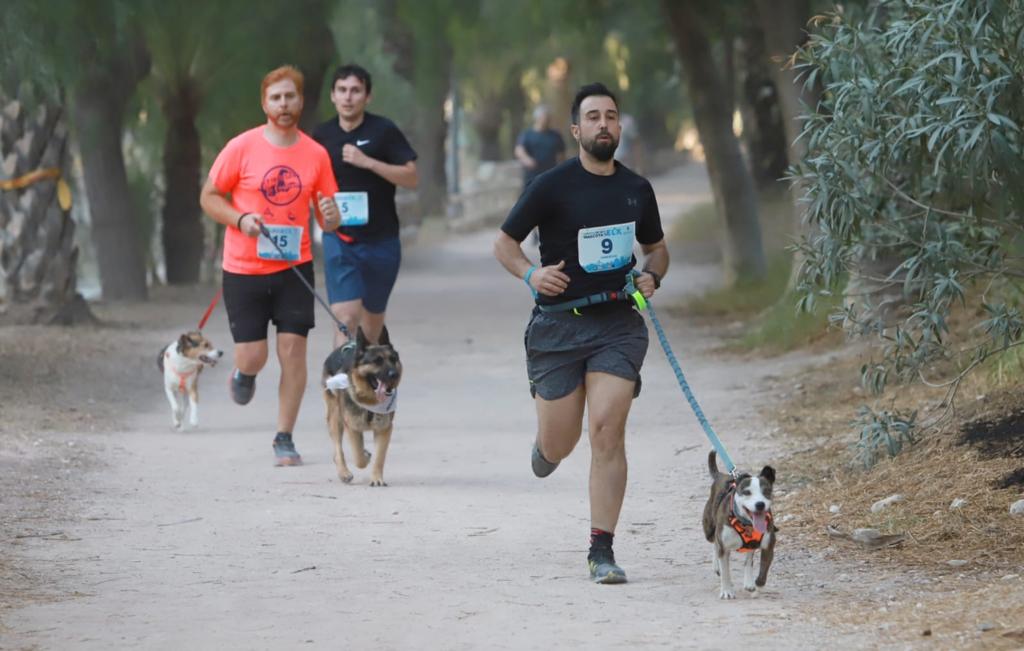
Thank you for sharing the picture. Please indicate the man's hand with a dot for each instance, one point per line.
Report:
(645, 283)
(550, 281)
(329, 209)
(528, 162)
(354, 156)
(250, 224)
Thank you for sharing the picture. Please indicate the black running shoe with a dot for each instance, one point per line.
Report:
(285, 453)
(603, 568)
(541, 466)
(242, 387)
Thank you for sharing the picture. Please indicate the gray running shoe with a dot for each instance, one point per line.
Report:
(603, 568)
(541, 466)
(285, 453)
(242, 387)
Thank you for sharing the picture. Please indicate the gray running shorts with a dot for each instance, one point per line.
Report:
(562, 347)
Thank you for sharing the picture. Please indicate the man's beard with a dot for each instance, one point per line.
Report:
(602, 150)
(292, 120)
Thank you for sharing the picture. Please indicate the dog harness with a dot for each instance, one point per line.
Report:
(751, 537)
(181, 376)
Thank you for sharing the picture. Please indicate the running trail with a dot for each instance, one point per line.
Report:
(194, 540)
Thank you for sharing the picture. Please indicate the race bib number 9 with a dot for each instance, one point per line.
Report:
(354, 208)
(604, 248)
(287, 238)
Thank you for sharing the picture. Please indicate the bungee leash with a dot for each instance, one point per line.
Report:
(632, 294)
(337, 321)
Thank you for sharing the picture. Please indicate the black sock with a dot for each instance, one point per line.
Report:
(600, 539)
(283, 437)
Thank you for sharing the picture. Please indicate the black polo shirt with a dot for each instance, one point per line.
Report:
(379, 138)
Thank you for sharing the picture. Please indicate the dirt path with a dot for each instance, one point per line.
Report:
(195, 541)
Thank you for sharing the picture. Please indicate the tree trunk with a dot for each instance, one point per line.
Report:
(182, 235)
(731, 183)
(99, 100)
(763, 131)
(318, 53)
(487, 121)
(38, 256)
(782, 23)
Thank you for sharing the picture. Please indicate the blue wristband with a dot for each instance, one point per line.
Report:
(526, 279)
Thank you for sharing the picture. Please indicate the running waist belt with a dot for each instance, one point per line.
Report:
(627, 293)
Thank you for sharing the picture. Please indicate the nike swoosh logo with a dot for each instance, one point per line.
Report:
(360, 143)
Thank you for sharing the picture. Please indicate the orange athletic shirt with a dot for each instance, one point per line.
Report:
(276, 183)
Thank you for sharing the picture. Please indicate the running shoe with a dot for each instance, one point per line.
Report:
(242, 387)
(285, 453)
(603, 568)
(541, 466)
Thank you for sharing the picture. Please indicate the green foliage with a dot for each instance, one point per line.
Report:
(881, 432)
(916, 154)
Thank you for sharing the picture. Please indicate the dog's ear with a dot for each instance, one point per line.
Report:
(768, 473)
(385, 339)
(361, 341)
(184, 343)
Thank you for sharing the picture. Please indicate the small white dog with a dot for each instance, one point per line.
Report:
(181, 362)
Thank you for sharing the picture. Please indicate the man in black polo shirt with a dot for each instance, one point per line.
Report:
(370, 156)
(589, 211)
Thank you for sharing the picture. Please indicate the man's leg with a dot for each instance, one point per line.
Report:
(350, 313)
(609, 398)
(251, 356)
(559, 424)
(373, 325)
(291, 353)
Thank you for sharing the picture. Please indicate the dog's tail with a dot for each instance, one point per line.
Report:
(713, 464)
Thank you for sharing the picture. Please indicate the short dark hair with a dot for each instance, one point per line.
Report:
(596, 88)
(353, 70)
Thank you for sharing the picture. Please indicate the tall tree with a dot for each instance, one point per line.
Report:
(733, 188)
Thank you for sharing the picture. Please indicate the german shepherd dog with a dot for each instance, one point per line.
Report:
(366, 401)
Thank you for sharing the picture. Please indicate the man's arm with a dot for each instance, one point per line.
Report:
(404, 176)
(549, 280)
(221, 211)
(524, 158)
(656, 261)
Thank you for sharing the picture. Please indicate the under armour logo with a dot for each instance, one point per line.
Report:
(630, 201)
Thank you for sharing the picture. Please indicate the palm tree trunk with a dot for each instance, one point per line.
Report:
(182, 235)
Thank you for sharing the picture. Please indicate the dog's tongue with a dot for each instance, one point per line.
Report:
(381, 391)
(760, 522)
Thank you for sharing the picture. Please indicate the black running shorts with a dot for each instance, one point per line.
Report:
(254, 300)
(562, 347)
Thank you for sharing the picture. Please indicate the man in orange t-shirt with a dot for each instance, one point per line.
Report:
(273, 173)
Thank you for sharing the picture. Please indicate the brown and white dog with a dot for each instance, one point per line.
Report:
(181, 362)
(360, 383)
(738, 517)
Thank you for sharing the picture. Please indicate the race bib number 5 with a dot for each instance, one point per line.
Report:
(287, 238)
(354, 208)
(604, 248)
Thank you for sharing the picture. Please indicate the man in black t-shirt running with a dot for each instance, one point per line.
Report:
(370, 156)
(589, 211)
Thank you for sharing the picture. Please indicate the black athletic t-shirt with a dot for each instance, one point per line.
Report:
(379, 138)
(567, 199)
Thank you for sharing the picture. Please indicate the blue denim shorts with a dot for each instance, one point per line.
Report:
(361, 270)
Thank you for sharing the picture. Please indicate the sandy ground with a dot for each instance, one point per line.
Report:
(166, 540)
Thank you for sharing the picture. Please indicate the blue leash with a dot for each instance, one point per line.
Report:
(685, 386)
(630, 293)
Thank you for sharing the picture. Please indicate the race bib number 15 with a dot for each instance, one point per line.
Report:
(604, 248)
(287, 238)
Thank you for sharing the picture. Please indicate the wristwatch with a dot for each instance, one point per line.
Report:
(657, 278)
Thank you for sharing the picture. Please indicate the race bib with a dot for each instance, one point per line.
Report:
(603, 248)
(287, 238)
(354, 208)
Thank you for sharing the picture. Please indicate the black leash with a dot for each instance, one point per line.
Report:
(337, 321)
